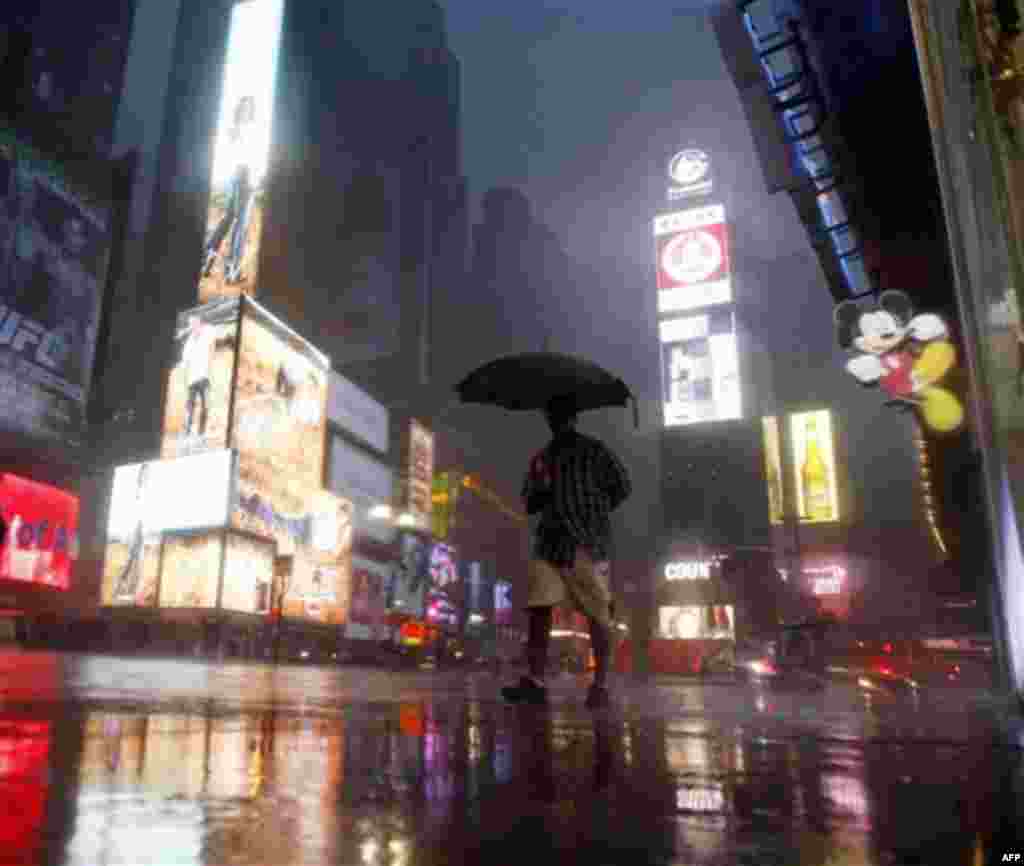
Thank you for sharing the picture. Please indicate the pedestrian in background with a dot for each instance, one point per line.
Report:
(573, 484)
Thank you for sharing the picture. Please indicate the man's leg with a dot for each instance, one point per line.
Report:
(190, 406)
(601, 643)
(537, 642)
(204, 390)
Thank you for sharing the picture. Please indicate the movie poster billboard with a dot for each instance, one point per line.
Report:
(692, 259)
(199, 385)
(190, 573)
(411, 577)
(503, 602)
(40, 545)
(55, 237)
(240, 154)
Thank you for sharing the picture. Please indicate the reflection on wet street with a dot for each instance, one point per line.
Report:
(120, 762)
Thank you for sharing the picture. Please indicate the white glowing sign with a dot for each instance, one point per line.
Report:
(689, 570)
(827, 579)
(700, 368)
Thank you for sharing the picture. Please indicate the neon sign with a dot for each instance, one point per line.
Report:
(699, 569)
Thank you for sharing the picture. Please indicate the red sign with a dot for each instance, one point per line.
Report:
(691, 256)
(41, 541)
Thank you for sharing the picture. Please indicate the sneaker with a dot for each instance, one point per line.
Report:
(527, 692)
(597, 698)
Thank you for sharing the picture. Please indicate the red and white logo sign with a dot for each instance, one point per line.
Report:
(693, 250)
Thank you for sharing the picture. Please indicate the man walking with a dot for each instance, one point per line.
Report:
(197, 359)
(574, 484)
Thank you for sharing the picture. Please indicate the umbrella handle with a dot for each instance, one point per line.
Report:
(636, 413)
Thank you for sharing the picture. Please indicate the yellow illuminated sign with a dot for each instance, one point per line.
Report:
(814, 466)
(773, 468)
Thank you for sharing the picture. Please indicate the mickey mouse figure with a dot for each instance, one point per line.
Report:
(906, 355)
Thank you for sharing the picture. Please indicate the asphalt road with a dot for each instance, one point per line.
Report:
(132, 761)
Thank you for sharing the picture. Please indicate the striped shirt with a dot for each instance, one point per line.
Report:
(575, 483)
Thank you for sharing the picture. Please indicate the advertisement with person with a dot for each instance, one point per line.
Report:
(199, 385)
(190, 572)
(40, 545)
(411, 576)
(692, 259)
(700, 369)
(148, 499)
(321, 579)
(240, 154)
(705, 622)
(55, 237)
(248, 574)
(369, 586)
(278, 430)
(503, 613)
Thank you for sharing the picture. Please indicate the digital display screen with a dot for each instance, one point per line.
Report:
(814, 466)
(234, 221)
(41, 542)
(190, 574)
(199, 384)
(248, 574)
(409, 583)
(706, 622)
(171, 495)
(55, 237)
(700, 369)
(278, 431)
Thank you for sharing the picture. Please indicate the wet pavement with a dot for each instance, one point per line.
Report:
(129, 761)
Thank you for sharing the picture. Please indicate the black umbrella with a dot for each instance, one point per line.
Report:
(533, 380)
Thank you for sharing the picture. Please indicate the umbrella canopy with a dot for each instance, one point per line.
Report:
(533, 380)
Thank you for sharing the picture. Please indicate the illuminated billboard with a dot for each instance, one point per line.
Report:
(692, 252)
(367, 609)
(248, 574)
(41, 542)
(690, 173)
(421, 475)
(408, 587)
(185, 493)
(814, 466)
(503, 602)
(240, 154)
(773, 468)
(55, 237)
(190, 573)
(278, 429)
(700, 368)
(199, 384)
(705, 622)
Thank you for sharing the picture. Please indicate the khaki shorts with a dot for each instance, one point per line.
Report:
(586, 586)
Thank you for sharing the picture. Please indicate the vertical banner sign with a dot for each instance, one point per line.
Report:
(240, 153)
(55, 235)
(773, 469)
(421, 474)
(814, 466)
(692, 253)
(445, 501)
